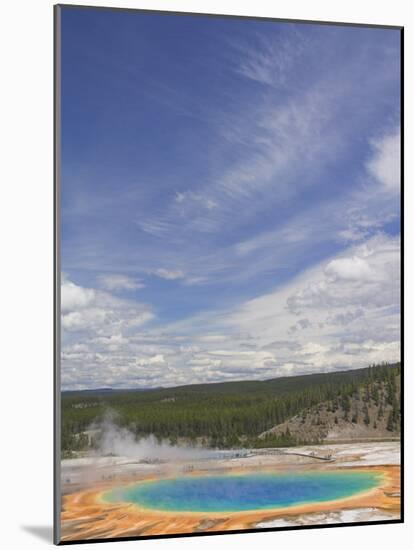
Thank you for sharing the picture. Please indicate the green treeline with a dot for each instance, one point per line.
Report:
(225, 415)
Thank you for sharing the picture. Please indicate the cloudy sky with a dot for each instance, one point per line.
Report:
(230, 198)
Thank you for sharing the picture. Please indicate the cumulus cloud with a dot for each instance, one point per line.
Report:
(366, 275)
(350, 268)
(75, 297)
(99, 313)
(350, 299)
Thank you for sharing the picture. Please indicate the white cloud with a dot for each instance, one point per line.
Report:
(74, 296)
(179, 197)
(344, 310)
(365, 275)
(212, 338)
(284, 143)
(205, 362)
(190, 199)
(385, 164)
(312, 348)
(281, 140)
(119, 282)
(169, 274)
(84, 319)
(154, 360)
(352, 268)
(112, 340)
(99, 313)
(350, 299)
(270, 63)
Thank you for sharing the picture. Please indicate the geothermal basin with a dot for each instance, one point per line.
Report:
(124, 496)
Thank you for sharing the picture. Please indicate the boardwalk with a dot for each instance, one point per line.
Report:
(327, 458)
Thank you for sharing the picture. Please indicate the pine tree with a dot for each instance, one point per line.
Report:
(390, 423)
(375, 394)
(366, 415)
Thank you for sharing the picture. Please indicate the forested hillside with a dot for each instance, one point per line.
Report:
(243, 413)
(371, 412)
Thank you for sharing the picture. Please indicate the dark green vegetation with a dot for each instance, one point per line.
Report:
(370, 412)
(234, 414)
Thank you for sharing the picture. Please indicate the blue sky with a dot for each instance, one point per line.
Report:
(230, 198)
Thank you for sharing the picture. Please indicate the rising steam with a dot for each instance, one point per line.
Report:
(118, 441)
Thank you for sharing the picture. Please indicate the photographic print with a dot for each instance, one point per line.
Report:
(228, 274)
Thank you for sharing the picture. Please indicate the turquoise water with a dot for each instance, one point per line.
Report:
(236, 493)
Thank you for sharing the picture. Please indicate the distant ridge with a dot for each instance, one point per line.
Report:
(228, 384)
(108, 390)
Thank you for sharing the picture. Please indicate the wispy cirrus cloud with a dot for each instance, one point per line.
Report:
(169, 274)
(270, 61)
(119, 282)
(385, 164)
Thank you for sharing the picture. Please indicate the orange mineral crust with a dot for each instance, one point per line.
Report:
(85, 515)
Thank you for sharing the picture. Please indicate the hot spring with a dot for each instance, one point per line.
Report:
(240, 493)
